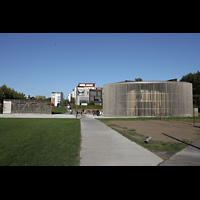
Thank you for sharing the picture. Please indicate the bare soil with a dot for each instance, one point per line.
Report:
(141, 130)
(181, 130)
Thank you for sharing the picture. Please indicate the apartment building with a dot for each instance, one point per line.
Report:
(86, 93)
(56, 98)
(82, 93)
(95, 96)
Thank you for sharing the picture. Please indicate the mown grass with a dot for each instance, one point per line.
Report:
(197, 119)
(39, 142)
(59, 110)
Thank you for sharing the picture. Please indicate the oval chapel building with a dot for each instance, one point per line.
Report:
(152, 98)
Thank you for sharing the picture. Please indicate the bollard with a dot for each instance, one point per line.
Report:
(146, 141)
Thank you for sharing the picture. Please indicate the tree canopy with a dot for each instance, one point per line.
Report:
(138, 79)
(194, 78)
(8, 93)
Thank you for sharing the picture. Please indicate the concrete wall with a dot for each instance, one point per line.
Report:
(26, 106)
(148, 99)
(6, 107)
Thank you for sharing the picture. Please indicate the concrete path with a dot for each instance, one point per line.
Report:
(102, 146)
(33, 115)
(190, 156)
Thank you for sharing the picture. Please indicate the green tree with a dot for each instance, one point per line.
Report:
(138, 79)
(194, 78)
(8, 93)
(72, 100)
(39, 97)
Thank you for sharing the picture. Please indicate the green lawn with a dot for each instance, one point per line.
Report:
(197, 119)
(59, 110)
(39, 142)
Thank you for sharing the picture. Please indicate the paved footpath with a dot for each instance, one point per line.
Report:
(102, 146)
(190, 156)
(34, 115)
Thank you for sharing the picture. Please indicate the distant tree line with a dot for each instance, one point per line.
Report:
(39, 97)
(8, 93)
(138, 79)
(194, 78)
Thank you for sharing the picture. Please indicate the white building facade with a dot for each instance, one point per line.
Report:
(56, 98)
(81, 93)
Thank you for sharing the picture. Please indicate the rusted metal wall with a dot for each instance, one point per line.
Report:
(162, 98)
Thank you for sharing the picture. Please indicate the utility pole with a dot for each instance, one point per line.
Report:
(160, 112)
(193, 117)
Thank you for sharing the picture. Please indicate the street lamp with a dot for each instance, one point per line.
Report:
(77, 94)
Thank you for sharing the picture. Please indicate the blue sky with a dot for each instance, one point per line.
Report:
(41, 63)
